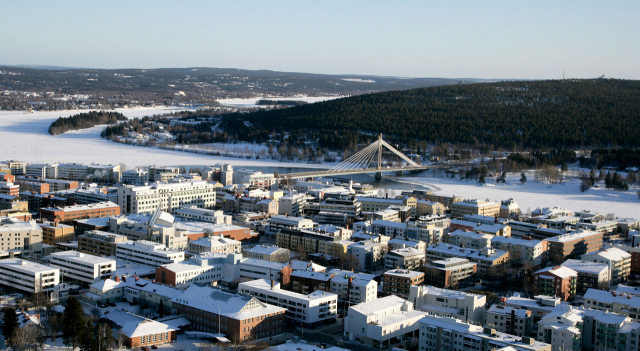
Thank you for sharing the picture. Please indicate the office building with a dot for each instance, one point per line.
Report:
(81, 267)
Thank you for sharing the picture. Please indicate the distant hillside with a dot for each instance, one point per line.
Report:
(529, 114)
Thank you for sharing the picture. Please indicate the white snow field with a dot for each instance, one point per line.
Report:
(253, 101)
(533, 195)
(24, 137)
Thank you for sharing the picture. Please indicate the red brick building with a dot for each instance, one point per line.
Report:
(69, 214)
(140, 331)
(239, 317)
(556, 281)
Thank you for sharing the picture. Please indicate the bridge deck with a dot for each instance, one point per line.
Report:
(351, 171)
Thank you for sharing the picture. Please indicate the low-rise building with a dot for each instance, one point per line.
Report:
(510, 320)
(399, 282)
(308, 281)
(556, 281)
(81, 267)
(308, 309)
(53, 232)
(239, 316)
(267, 253)
(591, 275)
(437, 333)
(217, 244)
(69, 214)
(353, 287)
(147, 253)
(573, 245)
(376, 322)
(540, 306)
(449, 303)
(407, 258)
(19, 235)
(27, 276)
(450, 272)
(141, 332)
(619, 263)
(194, 213)
(278, 223)
(99, 243)
(621, 303)
(474, 206)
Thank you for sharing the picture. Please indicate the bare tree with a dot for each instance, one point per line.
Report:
(95, 313)
(28, 338)
(121, 339)
(282, 256)
(52, 326)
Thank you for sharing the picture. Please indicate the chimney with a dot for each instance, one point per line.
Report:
(117, 279)
(272, 284)
(124, 278)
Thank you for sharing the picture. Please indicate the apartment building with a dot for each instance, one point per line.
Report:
(8, 188)
(315, 241)
(72, 171)
(621, 303)
(100, 243)
(136, 176)
(427, 231)
(17, 235)
(407, 258)
(428, 208)
(373, 204)
(186, 273)
(94, 195)
(53, 233)
(540, 305)
(437, 333)
(217, 244)
(147, 253)
(308, 281)
(375, 323)
(41, 171)
(104, 173)
(450, 272)
(69, 214)
(489, 260)
(573, 245)
(619, 263)
(278, 223)
(202, 215)
(35, 187)
(472, 240)
(167, 196)
(449, 303)
(28, 276)
(591, 275)
(253, 178)
(369, 255)
(509, 209)
(267, 253)
(163, 230)
(81, 267)
(399, 282)
(17, 167)
(308, 309)
(524, 250)
(240, 317)
(291, 205)
(556, 281)
(474, 207)
(510, 320)
(353, 287)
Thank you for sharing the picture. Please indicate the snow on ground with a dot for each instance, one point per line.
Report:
(533, 195)
(253, 101)
(25, 137)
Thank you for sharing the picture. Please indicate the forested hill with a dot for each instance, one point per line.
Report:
(84, 120)
(535, 114)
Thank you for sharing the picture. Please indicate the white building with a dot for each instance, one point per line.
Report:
(291, 205)
(136, 176)
(437, 333)
(147, 253)
(540, 305)
(72, 171)
(376, 322)
(167, 196)
(449, 303)
(624, 304)
(82, 267)
(277, 223)
(407, 258)
(311, 310)
(370, 255)
(19, 235)
(253, 178)
(28, 276)
(353, 287)
(619, 263)
(217, 244)
(193, 213)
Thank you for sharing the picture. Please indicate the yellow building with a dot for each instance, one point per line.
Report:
(426, 207)
(475, 207)
(53, 233)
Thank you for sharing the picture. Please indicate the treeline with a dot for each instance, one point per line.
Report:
(84, 120)
(551, 114)
(620, 158)
(281, 102)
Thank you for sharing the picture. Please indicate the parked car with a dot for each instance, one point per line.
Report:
(144, 348)
(112, 304)
(154, 347)
(101, 305)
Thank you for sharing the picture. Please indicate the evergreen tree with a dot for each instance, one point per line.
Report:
(9, 323)
(74, 323)
(87, 339)
(608, 181)
(592, 176)
(523, 178)
(481, 179)
(161, 309)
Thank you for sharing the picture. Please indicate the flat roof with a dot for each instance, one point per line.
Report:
(262, 284)
(403, 273)
(24, 265)
(82, 257)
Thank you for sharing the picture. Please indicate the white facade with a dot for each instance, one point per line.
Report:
(82, 267)
(202, 215)
(619, 263)
(217, 244)
(147, 253)
(253, 178)
(353, 287)
(370, 255)
(277, 223)
(20, 235)
(167, 196)
(449, 303)
(291, 205)
(136, 176)
(72, 171)
(311, 309)
(28, 276)
(377, 321)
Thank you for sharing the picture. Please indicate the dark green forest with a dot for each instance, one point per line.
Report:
(537, 115)
(84, 120)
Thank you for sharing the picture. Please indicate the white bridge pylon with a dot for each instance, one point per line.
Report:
(363, 158)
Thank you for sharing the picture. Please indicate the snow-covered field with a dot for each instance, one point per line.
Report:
(533, 195)
(25, 137)
(253, 101)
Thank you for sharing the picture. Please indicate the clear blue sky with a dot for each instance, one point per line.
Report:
(480, 39)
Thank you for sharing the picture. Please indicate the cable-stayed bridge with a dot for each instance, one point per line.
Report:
(367, 160)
